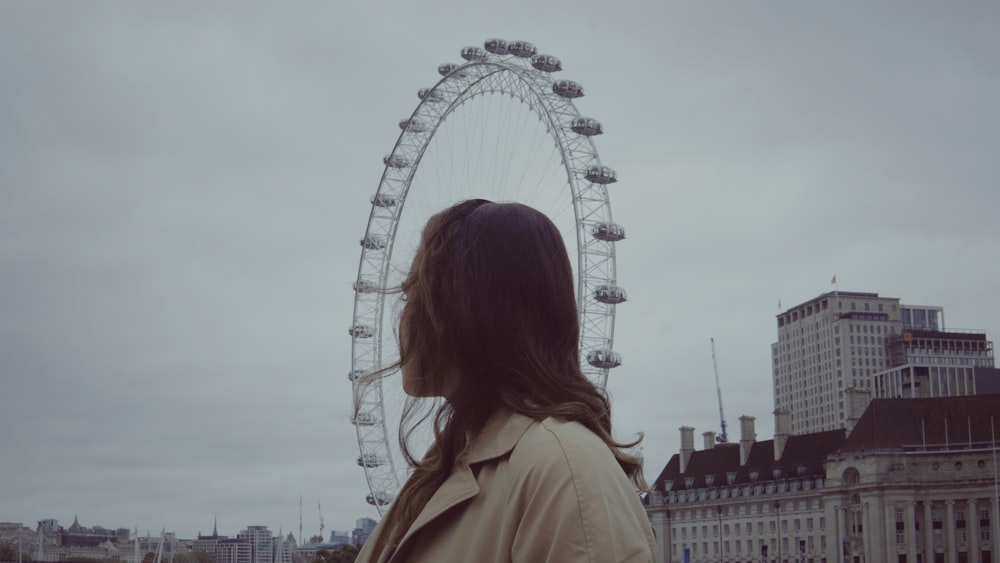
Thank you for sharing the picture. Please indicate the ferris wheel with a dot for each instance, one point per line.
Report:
(501, 127)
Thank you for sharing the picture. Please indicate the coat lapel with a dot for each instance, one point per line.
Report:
(459, 487)
(496, 439)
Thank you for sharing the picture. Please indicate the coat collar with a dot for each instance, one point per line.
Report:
(496, 439)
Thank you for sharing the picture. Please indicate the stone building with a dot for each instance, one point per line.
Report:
(908, 480)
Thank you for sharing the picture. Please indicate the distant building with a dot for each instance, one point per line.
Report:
(233, 551)
(49, 526)
(253, 544)
(210, 543)
(364, 528)
(261, 543)
(907, 481)
(925, 363)
(842, 340)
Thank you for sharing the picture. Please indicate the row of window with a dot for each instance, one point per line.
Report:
(800, 546)
(797, 526)
(869, 328)
(748, 509)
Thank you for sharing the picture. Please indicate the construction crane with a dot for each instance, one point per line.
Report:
(321, 524)
(722, 438)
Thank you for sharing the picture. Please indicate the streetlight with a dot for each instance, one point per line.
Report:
(777, 519)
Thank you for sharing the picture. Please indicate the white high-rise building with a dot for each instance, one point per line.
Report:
(849, 340)
(825, 346)
(262, 544)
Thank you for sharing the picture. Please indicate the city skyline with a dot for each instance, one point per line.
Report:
(52, 526)
(184, 190)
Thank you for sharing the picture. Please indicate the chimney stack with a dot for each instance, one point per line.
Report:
(687, 446)
(747, 437)
(709, 439)
(857, 403)
(782, 430)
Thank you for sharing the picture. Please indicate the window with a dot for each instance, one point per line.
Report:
(936, 525)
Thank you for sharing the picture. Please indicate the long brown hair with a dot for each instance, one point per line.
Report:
(489, 303)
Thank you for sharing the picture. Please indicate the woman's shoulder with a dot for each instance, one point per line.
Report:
(564, 482)
(553, 443)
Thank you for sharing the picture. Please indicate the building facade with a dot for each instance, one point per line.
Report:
(909, 481)
(362, 529)
(926, 363)
(746, 502)
(842, 340)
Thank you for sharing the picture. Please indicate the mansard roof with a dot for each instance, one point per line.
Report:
(803, 456)
(943, 422)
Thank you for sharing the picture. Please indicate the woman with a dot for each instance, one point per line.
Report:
(523, 466)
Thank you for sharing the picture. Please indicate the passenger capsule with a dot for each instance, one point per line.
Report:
(521, 49)
(414, 126)
(445, 69)
(546, 63)
(604, 358)
(430, 95)
(372, 242)
(381, 498)
(355, 374)
(586, 126)
(496, 46)
(568, 89)
(370, 460)
(384, 200)
(473, 53)
(396, 161)
(611, 232)
(601, 174)
(361, 331)
(610, 294)
(364, 419)
(364, 286)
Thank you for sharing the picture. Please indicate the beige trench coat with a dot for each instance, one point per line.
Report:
(529, 491)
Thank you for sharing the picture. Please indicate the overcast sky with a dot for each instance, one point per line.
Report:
(183, 186)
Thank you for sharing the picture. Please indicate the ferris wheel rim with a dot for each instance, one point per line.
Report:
(591, 205)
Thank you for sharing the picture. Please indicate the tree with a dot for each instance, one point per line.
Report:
(202, 557)
(8, 552)
(343, 554)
